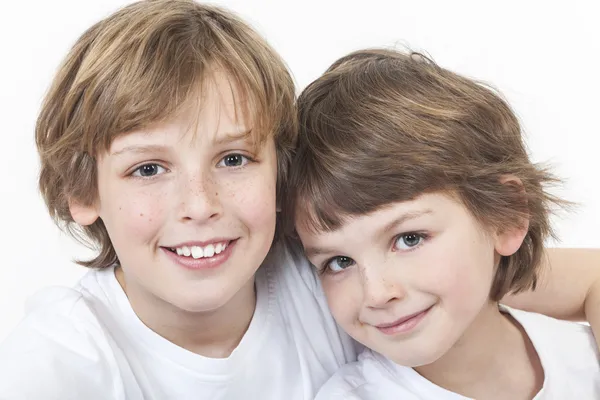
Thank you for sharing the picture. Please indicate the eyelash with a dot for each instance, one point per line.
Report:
(424, 237)
(139, 168)
(248, 160)
(247, 157)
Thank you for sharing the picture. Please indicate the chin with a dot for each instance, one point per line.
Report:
(200, 305)
(412, 360)
(198, 302)
(411, 357)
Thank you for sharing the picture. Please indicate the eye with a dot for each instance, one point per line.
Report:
(233, 160)
(339, 263)
(408, 241)
(148, 170)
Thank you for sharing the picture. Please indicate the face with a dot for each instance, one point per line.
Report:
(409, 279)
(189, 204)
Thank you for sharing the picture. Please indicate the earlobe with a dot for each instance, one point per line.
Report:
(83, 215)
(508, 241)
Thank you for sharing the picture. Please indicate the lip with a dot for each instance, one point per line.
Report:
(201, 243)
(201, 263)
(404, 324)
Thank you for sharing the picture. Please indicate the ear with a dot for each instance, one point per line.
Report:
(82, 214)
(508, 241)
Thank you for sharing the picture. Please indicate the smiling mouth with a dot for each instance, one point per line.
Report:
(404, 324)
(197, 252)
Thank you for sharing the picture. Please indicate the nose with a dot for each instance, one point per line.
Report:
(381, 287)
(199, 198)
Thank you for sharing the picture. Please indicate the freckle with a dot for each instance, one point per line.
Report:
(141, 215)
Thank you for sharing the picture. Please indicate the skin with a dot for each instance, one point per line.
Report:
(194, 179)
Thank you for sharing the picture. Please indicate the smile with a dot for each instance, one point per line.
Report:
(404, 324)
(201, 256)
(197, 252)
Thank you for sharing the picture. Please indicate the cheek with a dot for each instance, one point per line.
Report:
(344, 300)
(253, 200)
(463, 273)
(134, 215)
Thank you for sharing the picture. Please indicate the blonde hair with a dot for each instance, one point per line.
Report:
(382, 126)
(140, 66)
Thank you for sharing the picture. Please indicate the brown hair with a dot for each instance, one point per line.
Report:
(140, 66)
(382, 126)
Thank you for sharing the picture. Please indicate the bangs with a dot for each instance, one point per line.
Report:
(315, 203)
(250, 109)
(330, 189)
(124, 81)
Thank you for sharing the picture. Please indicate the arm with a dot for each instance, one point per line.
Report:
(568, 288)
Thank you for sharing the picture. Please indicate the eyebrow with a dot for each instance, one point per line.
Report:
(403, 219)
(151, 148)
(155, 148)
(233, 136)
(316, 251)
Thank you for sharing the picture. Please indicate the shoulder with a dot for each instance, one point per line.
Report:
(569, 341)
(344, 384)
(63, 309)
(364, 379)
(300, 309)
(551, 327)
(292, 278)
(296, 287)
(568, 353)
(56, 310)
(287, 264)
(60, 342)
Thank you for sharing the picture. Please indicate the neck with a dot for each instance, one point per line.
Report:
(493, 359)
(214, 333)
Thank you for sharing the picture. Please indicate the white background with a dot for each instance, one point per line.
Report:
(543, 55)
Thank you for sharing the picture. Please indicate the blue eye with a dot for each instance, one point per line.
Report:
(233, 160)
(408, 241)
(339, 263)
(148, 170)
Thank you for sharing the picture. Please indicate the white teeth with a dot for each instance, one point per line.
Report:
(209, 250)
(200, 252)
(197, 252)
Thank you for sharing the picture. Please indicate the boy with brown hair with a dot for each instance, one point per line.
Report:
(417, 203)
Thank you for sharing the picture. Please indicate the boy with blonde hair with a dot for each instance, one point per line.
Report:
(418, 205)
(164, 140)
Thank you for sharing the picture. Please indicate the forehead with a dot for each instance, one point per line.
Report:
(441, 207)
(217, 112)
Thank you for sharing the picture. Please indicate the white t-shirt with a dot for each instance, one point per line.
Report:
(567, 350)
(87, 343)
